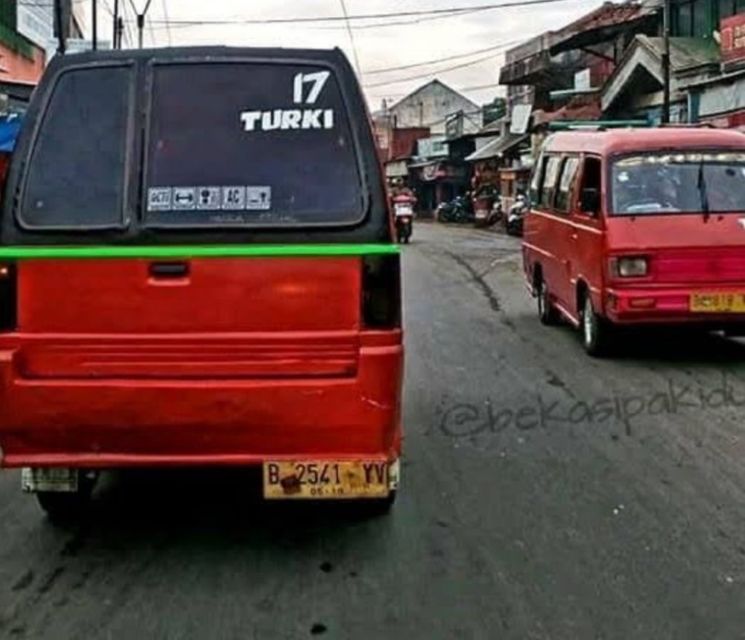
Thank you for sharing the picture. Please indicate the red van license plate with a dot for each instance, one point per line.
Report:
(717, 302)
(323, 479)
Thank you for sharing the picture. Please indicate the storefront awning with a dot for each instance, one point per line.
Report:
(498, 147)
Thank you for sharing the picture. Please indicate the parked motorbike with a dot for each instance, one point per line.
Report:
(486, 216)
(404, 217)
(458, 210)
(516, 216)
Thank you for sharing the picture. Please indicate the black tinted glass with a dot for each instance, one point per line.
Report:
(250, 143)
(77, 170)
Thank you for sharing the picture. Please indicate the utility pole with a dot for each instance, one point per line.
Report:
(115, 29)
(60, 23)
(141, 21)
(666, 63)
(94, 13)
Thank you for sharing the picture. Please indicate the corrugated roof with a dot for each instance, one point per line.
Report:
(498, 147)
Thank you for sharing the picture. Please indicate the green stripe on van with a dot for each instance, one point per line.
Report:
(197, 251)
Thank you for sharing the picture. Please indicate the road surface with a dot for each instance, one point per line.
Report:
(544, 495)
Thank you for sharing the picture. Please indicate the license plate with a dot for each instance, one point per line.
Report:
(323, 479)
(717, 302)
(51, 479)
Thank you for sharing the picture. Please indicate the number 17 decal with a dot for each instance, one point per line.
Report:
(317, 80)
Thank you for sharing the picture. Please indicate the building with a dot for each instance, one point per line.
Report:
(27, 40)
(430, 106)
(412, 137)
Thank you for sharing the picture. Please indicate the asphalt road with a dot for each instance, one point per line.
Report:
(544, 495)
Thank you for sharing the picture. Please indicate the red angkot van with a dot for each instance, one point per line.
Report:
(638, 227)
(198, 269)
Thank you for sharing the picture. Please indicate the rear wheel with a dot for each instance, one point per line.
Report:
(546, 311)
(597, 333)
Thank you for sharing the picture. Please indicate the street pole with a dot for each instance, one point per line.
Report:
(60, 23)
(94, 12)
(666, 63)
(141, 23)
(115, 29)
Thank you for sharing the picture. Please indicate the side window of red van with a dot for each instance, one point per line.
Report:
(589, 193)
(566, 184)
(536, 180)
(550, 178)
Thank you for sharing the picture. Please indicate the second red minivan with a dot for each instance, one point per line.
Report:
(638, 227)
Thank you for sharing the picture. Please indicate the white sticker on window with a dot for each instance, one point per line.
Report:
(159, 199)
(258, 198)
(184, 198)
(233, 198)
(209, 198)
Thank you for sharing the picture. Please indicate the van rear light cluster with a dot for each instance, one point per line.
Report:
(8, 297)
(381, 292)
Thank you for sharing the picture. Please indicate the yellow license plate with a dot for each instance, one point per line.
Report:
(717, 302)
(315, 479)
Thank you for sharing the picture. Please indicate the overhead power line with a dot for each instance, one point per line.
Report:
(350, 33)
(457, 56)
(368, 16)
(430, 73)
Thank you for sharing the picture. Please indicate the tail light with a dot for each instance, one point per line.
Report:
(8, 297)
(381, 292)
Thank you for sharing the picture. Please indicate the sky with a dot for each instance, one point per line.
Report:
(377, 47)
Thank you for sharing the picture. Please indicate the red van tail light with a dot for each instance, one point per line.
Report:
(8, 297)
(381, 292)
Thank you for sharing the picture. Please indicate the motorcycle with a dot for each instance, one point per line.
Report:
(458, 210)
(516, 215)
(404, 217)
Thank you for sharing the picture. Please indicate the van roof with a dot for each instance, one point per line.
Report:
(177, 53)
(617, 141)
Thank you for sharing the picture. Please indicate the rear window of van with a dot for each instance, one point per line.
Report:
(77, 170)
(250, 144)
(226, 143)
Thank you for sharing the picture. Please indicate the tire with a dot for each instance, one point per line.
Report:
(547, 313)
(66, 508)
(597, 333)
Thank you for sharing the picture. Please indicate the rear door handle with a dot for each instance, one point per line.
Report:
(169, 270)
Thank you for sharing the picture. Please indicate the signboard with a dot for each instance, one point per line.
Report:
(520, 118)
(35, 21)
(454, 126)
(431, 147)
(732, 39)
(582, 80)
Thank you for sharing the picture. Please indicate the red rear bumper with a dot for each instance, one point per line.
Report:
(662, 305)
(159, 422)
